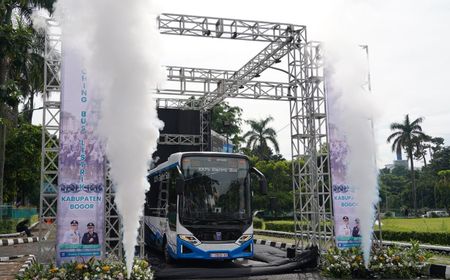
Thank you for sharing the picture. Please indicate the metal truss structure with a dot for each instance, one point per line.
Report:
(304, 92)
(50, 143)
(49, 162)
(201, 89)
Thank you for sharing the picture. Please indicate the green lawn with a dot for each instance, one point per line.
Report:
(417, 224)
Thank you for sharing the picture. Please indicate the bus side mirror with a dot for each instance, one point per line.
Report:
(262, 180)
(179, 184)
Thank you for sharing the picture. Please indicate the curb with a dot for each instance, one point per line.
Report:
(7, 259)
(279, 245)
(15, 241)
(437, 270)
(30, 261)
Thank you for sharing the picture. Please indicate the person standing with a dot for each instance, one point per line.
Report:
(72, 236)
(345, 227)
(90, 237)
(355, 231)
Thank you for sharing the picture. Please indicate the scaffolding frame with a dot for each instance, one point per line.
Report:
(304, 92)
(50, 143)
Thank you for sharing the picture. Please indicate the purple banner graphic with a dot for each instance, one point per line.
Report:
(346, 220)
(81, 170)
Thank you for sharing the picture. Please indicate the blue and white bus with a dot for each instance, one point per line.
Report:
(199, 206)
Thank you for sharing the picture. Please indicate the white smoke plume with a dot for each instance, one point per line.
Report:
(118, 40)
(354, 119)
(39, 17)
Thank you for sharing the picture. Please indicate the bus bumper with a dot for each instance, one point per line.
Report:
(214, 251)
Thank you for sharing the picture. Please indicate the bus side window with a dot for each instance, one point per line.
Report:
(172, 214)
(152, 199)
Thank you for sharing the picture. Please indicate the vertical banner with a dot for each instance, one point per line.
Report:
(81, 170)
(346, 220)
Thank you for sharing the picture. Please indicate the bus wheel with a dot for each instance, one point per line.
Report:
(167, 258)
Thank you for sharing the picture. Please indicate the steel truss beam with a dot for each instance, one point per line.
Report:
(199, 81)
(113, 229)
(309, 142)
(224, 28)
(50, 145)
(267, 57)
(178, 103)
(270, 55)
(205, 128)
(179, 139)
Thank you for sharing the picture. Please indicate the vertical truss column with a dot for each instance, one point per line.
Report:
(310, 171)
(50, 145)
(205, 131)
(113, 224)
(113, 232)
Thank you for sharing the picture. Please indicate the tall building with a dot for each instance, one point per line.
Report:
(219, 143)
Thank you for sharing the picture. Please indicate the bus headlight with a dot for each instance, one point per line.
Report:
(190, 238)
(244, 238)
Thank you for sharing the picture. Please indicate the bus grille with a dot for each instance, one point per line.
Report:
(217, 235)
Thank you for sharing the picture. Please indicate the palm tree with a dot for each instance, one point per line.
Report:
(404, 138)
(259, 136)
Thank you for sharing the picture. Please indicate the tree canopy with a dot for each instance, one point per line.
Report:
(259, 136)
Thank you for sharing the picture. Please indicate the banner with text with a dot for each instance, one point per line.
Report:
(346, 220)
(81, 170)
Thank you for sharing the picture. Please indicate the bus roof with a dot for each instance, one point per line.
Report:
(175, 159)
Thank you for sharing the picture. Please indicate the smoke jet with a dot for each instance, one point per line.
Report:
(355, 113)
(117, 40)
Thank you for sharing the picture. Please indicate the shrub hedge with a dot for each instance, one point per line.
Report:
(438, 238)
(280, 225)
(8, 225)
(258, 223)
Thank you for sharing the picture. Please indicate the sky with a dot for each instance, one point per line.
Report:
(408, 55)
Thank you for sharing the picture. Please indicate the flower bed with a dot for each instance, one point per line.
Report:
(92, 269)
(391, 262)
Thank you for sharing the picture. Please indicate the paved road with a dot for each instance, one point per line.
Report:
(10, 268)
(270, 260)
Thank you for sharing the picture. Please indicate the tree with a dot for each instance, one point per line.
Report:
(441, 160)
(23, 163)
(444, 188)
(438, 143)
(392, 187)
(226, 120)
(403, 138)
(259, 136)
(421, 143)
(278, 175)
(15, 38)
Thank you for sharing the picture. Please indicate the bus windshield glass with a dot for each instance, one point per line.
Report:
(216, 189)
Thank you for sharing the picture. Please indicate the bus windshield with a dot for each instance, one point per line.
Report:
(216, 189)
